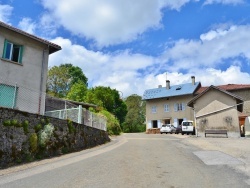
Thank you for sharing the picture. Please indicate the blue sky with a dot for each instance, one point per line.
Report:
(132, 45)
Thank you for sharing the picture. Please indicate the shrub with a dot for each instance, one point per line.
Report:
(33, 142)
(71, 127)
(14, 122)
(25, 125)
(38, 127)
(45, 134)
(113, 126)
(7, 123)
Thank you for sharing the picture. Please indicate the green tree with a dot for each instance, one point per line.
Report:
(77, 92)
(62, 78)
(135, 118)
(107, 99)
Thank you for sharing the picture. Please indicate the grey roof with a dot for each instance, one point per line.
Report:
(175, 90)
(52, 47)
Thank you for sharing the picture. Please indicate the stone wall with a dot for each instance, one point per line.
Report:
(26, 137)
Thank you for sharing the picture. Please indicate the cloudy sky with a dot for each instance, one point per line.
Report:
(133, 45)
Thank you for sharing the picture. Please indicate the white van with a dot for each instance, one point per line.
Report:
(187, 127)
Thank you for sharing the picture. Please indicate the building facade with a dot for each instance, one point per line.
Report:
(23, 69)
(216, 108)
(168, 105)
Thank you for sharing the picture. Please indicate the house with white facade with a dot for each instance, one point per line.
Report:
(168, 105)
(23, 69)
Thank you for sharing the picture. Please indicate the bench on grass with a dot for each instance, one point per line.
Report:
(216, 131)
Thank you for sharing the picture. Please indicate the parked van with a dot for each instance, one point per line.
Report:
(187, 127)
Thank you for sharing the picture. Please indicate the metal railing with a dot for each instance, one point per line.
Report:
(80, 115)
(15, 96)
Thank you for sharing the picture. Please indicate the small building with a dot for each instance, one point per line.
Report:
(23, 69)
(241, 90)
(216, 108)
(168, 105)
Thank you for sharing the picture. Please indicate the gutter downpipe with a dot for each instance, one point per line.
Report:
(41, 82)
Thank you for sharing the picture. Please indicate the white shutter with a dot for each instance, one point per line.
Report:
(175, 122)
(158, 123)
(175, 107)
(149, 124)
(183, 106)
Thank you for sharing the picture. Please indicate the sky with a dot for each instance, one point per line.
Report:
(134, 45)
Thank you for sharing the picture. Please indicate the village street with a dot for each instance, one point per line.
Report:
(142, 160)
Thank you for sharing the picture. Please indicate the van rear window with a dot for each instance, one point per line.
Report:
(187, 124)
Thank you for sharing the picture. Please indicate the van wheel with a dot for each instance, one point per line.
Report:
(182, 133)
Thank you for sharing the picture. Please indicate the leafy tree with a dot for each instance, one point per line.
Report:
(77, 92)
(62, 78)
(135, 118)
(108, 99)
(76, 74)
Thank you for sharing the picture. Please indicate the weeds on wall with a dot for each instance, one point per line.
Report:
(33, 142)
(45, 134)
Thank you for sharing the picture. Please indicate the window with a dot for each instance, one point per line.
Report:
(153, 109)
(12, 52)
(166, 108)
(179, 107)
(8, 96)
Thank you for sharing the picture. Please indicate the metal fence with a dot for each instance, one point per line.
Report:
(80, 115)
(16, 96)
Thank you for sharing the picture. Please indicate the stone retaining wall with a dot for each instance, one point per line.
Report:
(26, 137)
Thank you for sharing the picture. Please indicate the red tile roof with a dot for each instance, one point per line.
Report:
(228, 87)
(52, 47)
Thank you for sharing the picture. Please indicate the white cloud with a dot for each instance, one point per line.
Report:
(119, 70)
(26, 24)
(234, 2)
(212, 50)
(133, 73)
(5, 13)
(109, 22)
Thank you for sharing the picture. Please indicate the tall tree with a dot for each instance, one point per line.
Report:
(62, 78)
(135, 118)
(77, 92)
(108, 99)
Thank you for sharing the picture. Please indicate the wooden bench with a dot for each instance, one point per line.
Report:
(216, 131)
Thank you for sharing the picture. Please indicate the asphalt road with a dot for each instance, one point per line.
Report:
(132, 160)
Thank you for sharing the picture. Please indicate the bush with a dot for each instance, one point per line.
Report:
(25, 125)
(33, 142)
(133, 128)
(113, 126)
(45, 134)
(7, 123)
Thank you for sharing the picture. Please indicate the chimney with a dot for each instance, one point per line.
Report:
(159, 86)
(167, 84)
(193, 80)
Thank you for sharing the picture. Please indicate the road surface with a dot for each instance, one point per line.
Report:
(132, 160)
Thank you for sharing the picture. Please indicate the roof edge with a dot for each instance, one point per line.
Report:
(52, 47)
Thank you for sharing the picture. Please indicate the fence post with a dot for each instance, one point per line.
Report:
(80, 114)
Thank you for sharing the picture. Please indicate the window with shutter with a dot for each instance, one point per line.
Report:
(12, 52)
